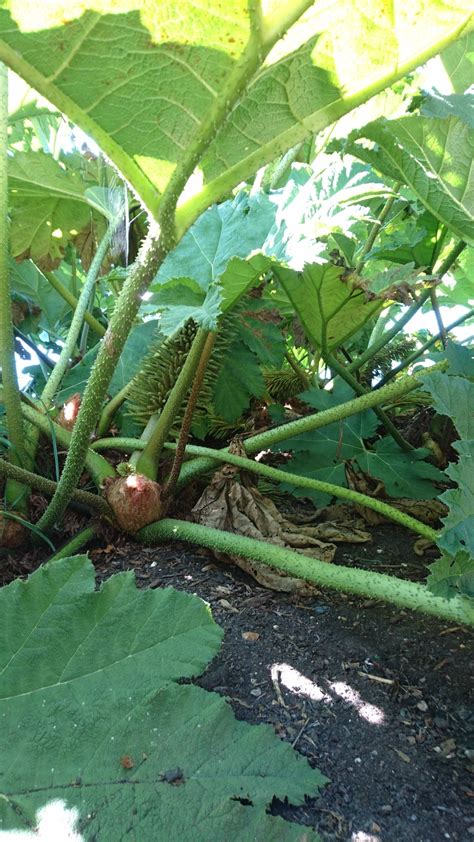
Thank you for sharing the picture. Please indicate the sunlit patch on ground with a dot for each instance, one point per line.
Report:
(295, 682)
(369, 712)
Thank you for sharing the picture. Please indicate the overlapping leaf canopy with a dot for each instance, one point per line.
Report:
(148, 80)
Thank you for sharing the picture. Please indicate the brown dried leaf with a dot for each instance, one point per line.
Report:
(427, 511)
(227, 504)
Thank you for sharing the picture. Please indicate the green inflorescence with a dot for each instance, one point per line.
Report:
(381, 363)
(284, 384)
(151, 387)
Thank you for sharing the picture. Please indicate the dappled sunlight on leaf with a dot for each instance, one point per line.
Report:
(54, 821)
(174, 64)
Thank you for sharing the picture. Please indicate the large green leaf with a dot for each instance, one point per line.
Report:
(407, 240)
(225, 247)
(321, 454)
(96, 730)
(323, 458)
(37, 174)
(42, 229)
(49, 204)
(28, 282)
(452, 575)
(431, 155)
(454, 397)
(452, 105)
(461, 290)
(146, 79)
(236, 228)
(260, 334)
(458, 531)
(458, 60)
(331, 305)
(133, 352)
(239, 379)
(182, 299)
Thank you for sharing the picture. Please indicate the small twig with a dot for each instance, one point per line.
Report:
(278, 693)
(300, 732)
(377, 678)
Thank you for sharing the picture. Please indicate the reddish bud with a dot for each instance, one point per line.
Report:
(135, 501)
(69, 412)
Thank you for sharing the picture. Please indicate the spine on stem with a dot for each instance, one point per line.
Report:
(152, 253)
(347, 579)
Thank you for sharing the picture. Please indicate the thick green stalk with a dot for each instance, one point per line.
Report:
(110, 409)
(72, 301)
(262, 441)
(377, 227)
(277, 475)
(199, 374)
(143, 271)
(97, 466)
(364, 583)
(412, 358)
(264, 34)
(389, 334)
(359, 390)
(15, 494)
(154, 251)
(441, 235)
(276, 169)
(148, 461)
(339, 491)
(48, 486)
(75, 544)
(450, 258)
(67, 350)
(302, 374)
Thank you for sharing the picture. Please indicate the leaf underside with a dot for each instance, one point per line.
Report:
(93, 59)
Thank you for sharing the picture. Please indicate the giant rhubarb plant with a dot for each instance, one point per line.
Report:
(186, 104)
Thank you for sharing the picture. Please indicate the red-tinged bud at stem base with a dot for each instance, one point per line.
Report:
(69, 412)
(135, 501)
(12, 533)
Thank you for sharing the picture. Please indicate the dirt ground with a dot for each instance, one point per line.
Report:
(378, 699)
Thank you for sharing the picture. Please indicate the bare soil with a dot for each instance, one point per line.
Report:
(378, 699)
